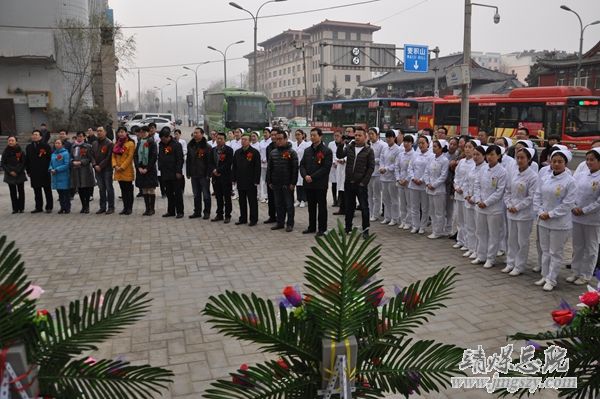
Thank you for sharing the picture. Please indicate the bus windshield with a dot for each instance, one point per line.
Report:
(583, 118)
(246, 109)
(404, 119)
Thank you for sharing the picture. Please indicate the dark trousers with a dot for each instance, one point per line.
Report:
(64, 198)
(284, 204)
(351, 193)
(39, 198)
(85, 193)
(334, 192)
(342, 201)
(161, 184)
(174, 191)
(248, 198)
(317, 202)
(201, 190)
(127, 194)
(271, 204)
(300, 193)
(17, 196)
(222, 188)
(106, 189)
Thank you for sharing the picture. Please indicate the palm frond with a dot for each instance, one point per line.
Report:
(104, 379)
(434, 363)
(16, 311)
(254, 319)
(86, 324)
(339, 297)
(409, 309)
(266, 381)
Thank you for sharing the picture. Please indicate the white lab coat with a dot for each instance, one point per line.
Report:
(300, 148)
(489, 190)
(460, 177)
(333, 172)
(401, 173)
(419, 201)
(470, 213)
(340, 170)
(586, 228)
(374, 187)
(436, 174)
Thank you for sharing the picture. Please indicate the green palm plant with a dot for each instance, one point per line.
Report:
(344, 299)
(54, 340)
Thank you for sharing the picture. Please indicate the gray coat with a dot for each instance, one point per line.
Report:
(82, 175)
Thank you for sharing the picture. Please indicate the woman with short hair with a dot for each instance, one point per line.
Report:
(146, 178)
(122, 162)
(82, 174)
(61, 175)
(13, 164)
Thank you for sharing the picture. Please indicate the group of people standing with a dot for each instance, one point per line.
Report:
(487, 195)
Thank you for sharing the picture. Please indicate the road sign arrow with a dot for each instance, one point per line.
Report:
(416, 66)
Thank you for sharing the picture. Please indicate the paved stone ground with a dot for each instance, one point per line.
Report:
(183, 262)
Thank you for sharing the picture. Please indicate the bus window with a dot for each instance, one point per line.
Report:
(532, 113)
(486, 120)
(425, 108)
(507, 115)
(360, 115)
(447, 114)
(554, 120)
(583, 120)
(372, 118)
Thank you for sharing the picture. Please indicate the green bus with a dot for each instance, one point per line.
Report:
(234, 108)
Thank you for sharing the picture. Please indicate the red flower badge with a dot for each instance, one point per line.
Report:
(42, 152)
(320, 156)
(286, 155)
(200, 153)
(222, 157)
(146, 144)
(249, 156)
(18, 155)
(59, 157)
(103, 150)
(168, 150)
(83, 152)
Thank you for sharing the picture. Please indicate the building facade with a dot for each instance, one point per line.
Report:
(563, 72)
(487, 60)
(289, 64)
(36, 75)
(399, 83)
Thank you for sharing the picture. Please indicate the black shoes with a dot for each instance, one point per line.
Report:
(48, 210)
(320, 234)
(269, 221)
(239, 222)
(206, 217)
(216, 219)
(194, 216)
(168, 215)
(100, 211)
(37, 211)
(338, 213)
(227, 220)
(179, 216)
(308, 231)
(277, 227)
(252, 224)
(289, 229)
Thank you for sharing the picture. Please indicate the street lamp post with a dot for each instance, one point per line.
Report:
(578, 82)
(196, 75)
(224, 54)
(464, 98)
(162, 107)
(177, 96)
(255, 18)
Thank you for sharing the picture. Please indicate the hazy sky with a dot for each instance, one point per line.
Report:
(524, 25)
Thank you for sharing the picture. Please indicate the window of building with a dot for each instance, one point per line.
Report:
(289, 70)
(347, 92)
(342, 35)
(358, 78)
(597, 86)
(335, 35)
(289, 82)
(346, 78)
(352, 35)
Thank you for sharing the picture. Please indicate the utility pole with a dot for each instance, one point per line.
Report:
(139, 92)
(436, 90)
(322, 70)
(464, 97)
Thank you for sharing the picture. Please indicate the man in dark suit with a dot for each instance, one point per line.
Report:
(221, 176)
(270, 195)
(37, 160)
(314, 169)
(246, 174)
(170, 163)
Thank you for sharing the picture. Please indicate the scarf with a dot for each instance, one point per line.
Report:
(143, 151)
(119, 148)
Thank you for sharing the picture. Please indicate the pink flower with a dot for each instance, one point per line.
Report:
(90, 360)
(292, 296)
(36, 292)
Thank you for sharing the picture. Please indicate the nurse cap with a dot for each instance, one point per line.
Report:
(443, 143)
(565, 152)
(527, 143)
(396, 132)
(476, 142)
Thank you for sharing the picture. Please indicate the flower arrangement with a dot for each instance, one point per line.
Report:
(343, 312)
(578, 331)
(55, 341)
(320, 156)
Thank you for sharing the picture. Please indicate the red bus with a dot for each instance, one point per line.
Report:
(392, 113)
(569, 112)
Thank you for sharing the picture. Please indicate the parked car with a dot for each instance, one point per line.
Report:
(160, 123)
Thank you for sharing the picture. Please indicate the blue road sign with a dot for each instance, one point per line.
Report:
(416, 58)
